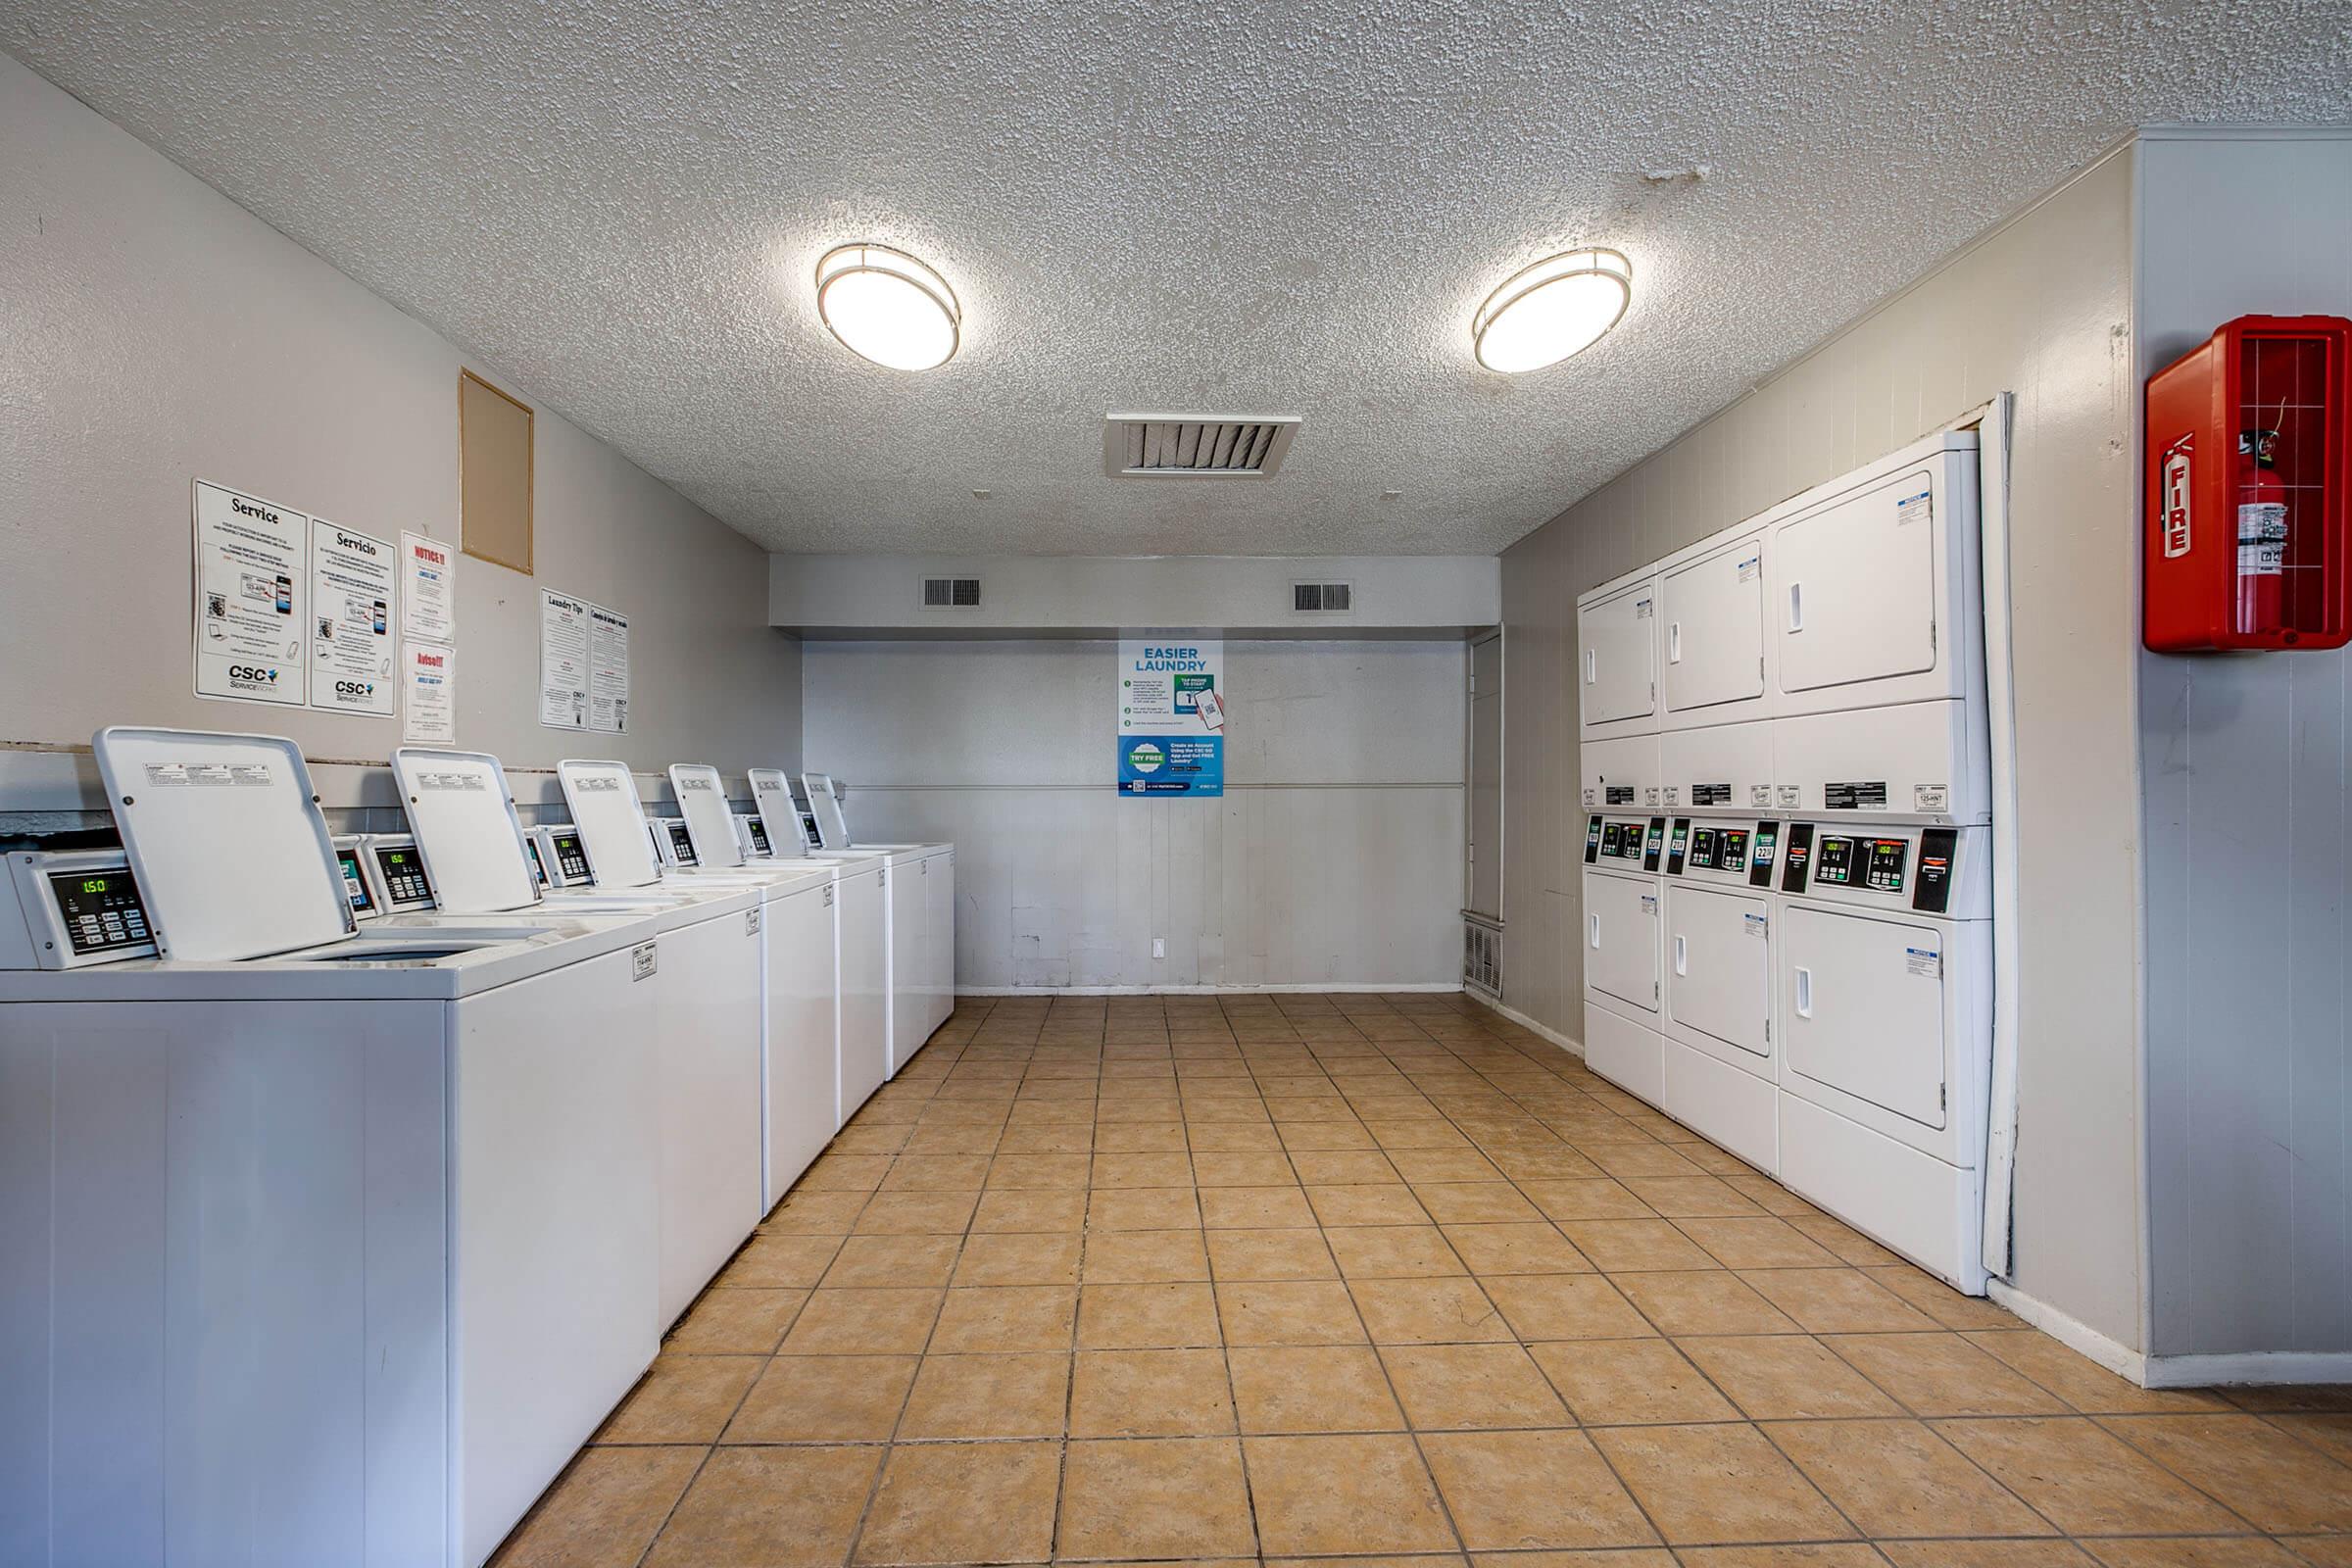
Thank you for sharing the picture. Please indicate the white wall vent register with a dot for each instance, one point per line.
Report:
(1322, 597)
(1191, 446)
(950, 593)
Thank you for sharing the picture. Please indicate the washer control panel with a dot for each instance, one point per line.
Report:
(756, 833)
(681, 843)
(400, 872)
(572, 858)
(77, 907)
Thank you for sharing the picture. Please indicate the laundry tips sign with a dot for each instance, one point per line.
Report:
(1171, 697)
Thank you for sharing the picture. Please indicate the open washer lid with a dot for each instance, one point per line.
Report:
(710, 820)
(467, 829)
(831, 821)
(610, 819)
(771, 793)
(226, 840)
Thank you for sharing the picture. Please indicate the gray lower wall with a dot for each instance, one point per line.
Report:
(2041, 308)
(152, 332)
(2247, 761)
(1333, 859)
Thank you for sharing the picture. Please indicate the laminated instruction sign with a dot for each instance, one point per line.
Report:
(1171, 694)
(583, 664)
(252, 598)
(351, 610)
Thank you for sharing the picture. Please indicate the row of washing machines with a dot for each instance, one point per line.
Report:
(1814, 997)
(348, 1182)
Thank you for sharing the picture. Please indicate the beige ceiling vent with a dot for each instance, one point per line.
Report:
(1161, 446)
(950, 593)
(1322, 597)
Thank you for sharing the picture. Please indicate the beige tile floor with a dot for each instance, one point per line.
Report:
(1383, 1278)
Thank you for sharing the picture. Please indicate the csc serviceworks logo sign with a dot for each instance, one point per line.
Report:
(254, 677)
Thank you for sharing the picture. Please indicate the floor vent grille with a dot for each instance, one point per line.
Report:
(1481, 958)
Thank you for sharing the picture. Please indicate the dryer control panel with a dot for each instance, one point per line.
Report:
(1735, 852)
(1915, 867)
(1625, 842)
(78, 908)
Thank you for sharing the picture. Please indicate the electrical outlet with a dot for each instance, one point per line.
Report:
(1159, 947)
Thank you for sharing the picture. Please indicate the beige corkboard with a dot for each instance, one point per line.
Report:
(494, 474)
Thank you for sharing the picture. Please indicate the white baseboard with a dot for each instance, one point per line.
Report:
(2249, 1367)
(2070, 1332)
(2244, 1367)
(1433, 987)
(1574, 1047)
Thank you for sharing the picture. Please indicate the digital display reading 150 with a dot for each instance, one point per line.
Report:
(95, 884)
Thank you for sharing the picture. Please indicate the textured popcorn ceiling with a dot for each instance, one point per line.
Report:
(1286, 208)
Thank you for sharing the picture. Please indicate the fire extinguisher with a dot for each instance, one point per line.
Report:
(2261, 534)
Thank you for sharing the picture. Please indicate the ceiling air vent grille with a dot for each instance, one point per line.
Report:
(950, 593)
(1322, 597)
(1156, 446)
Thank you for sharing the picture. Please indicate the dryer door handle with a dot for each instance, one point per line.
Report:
(1796, 606)
(1681, 954)
(1591, 667)
(1674, 643)
(1595, 921)
(1804, 992)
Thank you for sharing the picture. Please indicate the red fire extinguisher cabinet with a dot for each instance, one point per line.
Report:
(2247, 544)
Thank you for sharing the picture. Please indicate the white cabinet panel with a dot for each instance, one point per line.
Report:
(1617, 661)
(1719, 768)
(707, 1086)
(864, 987)
(1620, 774)
(1627, 1053)
(804, 1046)
(1713, 609)
(940, 938)
(1863, 1010)
(1621, 938)
(1914, 759)
(1718, 969)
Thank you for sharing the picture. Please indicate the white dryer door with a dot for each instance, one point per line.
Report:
(1863, 1000)
(1856, 587)
(1617, 673)
(1718, 966)
(1621, 938)
(1714, 610)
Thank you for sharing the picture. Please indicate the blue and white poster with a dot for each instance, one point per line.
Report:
(1172, 716)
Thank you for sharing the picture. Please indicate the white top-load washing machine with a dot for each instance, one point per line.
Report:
(1885, 1013)
(801, 1072)
(322, 1244)
(1720, 1063)
(1623, 982)
(922, 921)
(860, 893)
(713, 1188)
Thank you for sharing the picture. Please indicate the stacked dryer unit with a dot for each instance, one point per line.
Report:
(1799, 696)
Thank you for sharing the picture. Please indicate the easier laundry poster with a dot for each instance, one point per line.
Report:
(1172, 716)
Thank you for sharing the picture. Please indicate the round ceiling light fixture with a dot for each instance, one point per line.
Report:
(1561, 306)
(887, 306)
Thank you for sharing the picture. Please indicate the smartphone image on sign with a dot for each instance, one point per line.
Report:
(379, 617)
(1212, 709)
(285, 596)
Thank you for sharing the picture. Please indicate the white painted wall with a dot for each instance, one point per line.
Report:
(1333, 859)
(2041, 307)
(152, 332)
(1041, 595)
(2248, 762)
